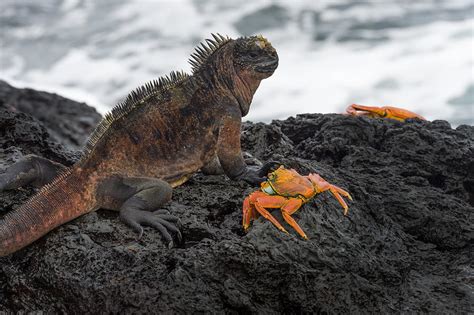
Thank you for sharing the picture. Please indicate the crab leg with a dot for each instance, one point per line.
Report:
(259, 201)
(322, 185)
(267, 215)
(361, 110)
(247, 213)
(288, 206)
(292, 205)
(400, 113)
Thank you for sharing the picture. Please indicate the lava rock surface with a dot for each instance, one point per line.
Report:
(405, 247)
(67, 121)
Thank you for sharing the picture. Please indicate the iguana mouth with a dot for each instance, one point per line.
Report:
(267, 67)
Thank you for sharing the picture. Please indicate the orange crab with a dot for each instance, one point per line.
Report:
(287, 190)
(383, 112)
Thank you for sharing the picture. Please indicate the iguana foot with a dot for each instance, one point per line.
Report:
(136, 198)
(33, 170)
(137, 219)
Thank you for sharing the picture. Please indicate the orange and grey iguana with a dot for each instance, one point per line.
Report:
(155, 140)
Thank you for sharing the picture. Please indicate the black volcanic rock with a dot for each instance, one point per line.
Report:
(67, 121)
(405, 247)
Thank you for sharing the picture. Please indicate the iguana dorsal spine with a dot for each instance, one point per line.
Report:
(138, 96)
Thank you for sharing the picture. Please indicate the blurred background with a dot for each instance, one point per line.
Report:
(412, 54)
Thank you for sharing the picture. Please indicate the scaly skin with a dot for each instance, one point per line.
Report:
(157, 139)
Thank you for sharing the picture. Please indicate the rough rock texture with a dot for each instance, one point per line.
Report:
(67, 121)
(406, 245)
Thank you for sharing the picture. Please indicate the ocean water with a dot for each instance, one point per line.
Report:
(413, 54)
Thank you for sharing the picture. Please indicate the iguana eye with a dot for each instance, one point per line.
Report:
(253, 54)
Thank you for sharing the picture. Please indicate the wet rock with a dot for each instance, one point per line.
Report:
(406, 245)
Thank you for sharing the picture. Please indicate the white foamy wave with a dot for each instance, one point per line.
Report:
(332, 53)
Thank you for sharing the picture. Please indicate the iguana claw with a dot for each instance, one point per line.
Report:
(136, 219)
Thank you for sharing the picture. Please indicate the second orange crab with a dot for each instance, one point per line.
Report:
(382, 112)
(287, 190)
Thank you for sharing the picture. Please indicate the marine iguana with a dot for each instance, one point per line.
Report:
(155, 140)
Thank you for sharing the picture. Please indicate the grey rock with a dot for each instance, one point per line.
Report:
(67, 121)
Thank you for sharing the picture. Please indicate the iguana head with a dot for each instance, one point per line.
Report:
(256, 56)
(254, 59)
(237, 65)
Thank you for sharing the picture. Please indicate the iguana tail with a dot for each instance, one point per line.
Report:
(66, 198)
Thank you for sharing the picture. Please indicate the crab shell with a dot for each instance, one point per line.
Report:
(288, 183)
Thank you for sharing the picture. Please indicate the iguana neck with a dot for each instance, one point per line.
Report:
(243, 90)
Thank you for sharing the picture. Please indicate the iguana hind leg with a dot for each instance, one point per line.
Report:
(32, 169)
(136, 198)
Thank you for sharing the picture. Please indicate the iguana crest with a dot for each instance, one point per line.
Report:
(206, 49)
(138, 96)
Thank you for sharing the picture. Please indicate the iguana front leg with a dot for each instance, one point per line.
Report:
(32, 169)
(230, 154)
(135, 198)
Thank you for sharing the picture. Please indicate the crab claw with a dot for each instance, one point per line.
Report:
(322, 185)
(383, 112)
